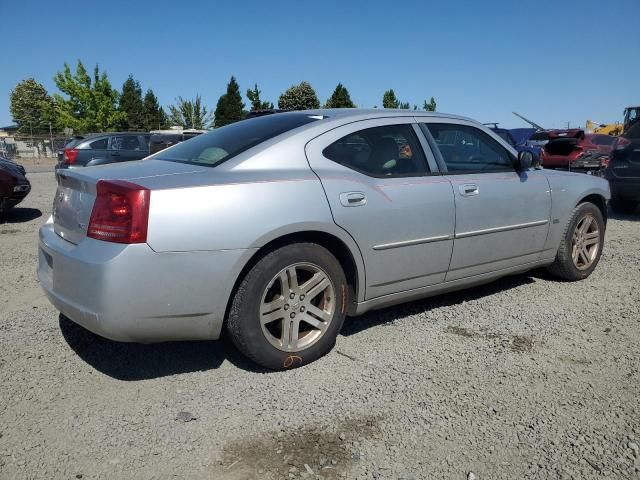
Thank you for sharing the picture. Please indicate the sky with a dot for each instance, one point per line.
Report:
(552, 61)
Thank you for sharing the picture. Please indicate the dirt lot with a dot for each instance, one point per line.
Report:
(523, 378)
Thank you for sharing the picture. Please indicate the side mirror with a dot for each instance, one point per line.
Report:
(525, 161)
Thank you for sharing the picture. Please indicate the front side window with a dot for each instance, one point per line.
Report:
(388, 151)
(212, 148)
(125, 142)
(466, 149)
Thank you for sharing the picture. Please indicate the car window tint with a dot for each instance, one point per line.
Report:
(125, 142)
(387, 151)
(468, 149)
(99, 144)
(210, 149)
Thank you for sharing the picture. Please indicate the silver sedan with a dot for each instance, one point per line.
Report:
(274, 229)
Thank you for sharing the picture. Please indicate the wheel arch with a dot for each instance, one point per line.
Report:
(350, 260)
(599, 201)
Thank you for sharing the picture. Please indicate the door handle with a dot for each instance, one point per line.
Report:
(353, 199)
(115, 154)
(468, 189)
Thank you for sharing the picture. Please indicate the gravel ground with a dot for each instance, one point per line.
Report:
(523, 378)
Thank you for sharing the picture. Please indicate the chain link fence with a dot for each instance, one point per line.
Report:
(36, 147)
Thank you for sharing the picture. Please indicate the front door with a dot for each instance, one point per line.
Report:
(502, 216)
(381, 191)
(124, 148)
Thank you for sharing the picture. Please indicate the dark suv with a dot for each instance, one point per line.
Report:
(101, 148)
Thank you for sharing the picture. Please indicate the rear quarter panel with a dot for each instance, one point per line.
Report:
(567, 191)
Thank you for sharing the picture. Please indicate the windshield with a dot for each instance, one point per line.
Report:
(505, 136)
(210, 149)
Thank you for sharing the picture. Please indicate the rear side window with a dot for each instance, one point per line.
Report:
(99, 144)
(210, 149)
(466, 149)
(603, 140)
(388, 151)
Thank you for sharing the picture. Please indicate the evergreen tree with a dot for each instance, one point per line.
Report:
(153, 115)
(389, 100)
(299, 97)
(340, 98)
(229, 107)
(430, 106)
(131, 105)
(254, 97)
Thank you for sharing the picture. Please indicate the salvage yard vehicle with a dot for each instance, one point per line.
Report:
(275, 228)
(623, 173)
(14, 186)
(101, 148)
(576, 151)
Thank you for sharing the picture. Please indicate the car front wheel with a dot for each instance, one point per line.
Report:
(289, 308)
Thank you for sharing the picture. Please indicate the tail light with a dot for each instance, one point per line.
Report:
(120, 213)
(604, 161)
(621, 143)
(70, 154)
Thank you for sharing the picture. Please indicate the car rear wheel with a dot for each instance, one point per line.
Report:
(581, 245)
(289, 308)
(623, 205)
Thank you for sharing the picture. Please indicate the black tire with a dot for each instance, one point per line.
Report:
(623, 205)
(564, 266)
(243, 322)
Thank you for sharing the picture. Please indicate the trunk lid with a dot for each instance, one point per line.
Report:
(76, 191)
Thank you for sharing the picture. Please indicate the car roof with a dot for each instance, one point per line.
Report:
(378, 113)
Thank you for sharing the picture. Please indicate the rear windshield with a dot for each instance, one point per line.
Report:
(214, 147)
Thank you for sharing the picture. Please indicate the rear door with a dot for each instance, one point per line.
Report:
(124, 148)
(389, 198)
(502, 216)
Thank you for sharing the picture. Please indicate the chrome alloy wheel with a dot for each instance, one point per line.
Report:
(297, 307)
(585, 243)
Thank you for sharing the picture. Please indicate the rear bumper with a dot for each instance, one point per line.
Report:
(623, 186)
(131, 293)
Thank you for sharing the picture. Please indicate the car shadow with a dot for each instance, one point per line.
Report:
(20, 215)
(389, 315)
(137, 361)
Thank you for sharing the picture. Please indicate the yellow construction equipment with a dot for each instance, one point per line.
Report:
(631, 116)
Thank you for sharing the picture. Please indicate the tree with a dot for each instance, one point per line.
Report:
(189, 113)
(404, 105)
(90, 104)
(254, 98)
(431, 106)
(299, 97)
(153, 116)
(229, 107)
(131, 105)
(31, 106)
(389, 99)
(340, 98)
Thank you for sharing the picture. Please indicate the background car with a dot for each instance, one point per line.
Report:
(276, 228)
(517, 138)
(623, 173)
(101, 148)
(574, 150)
(14, 186)
(161, 139)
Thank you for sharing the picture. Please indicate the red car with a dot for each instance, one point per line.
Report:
(574, 150)
(14, 185)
